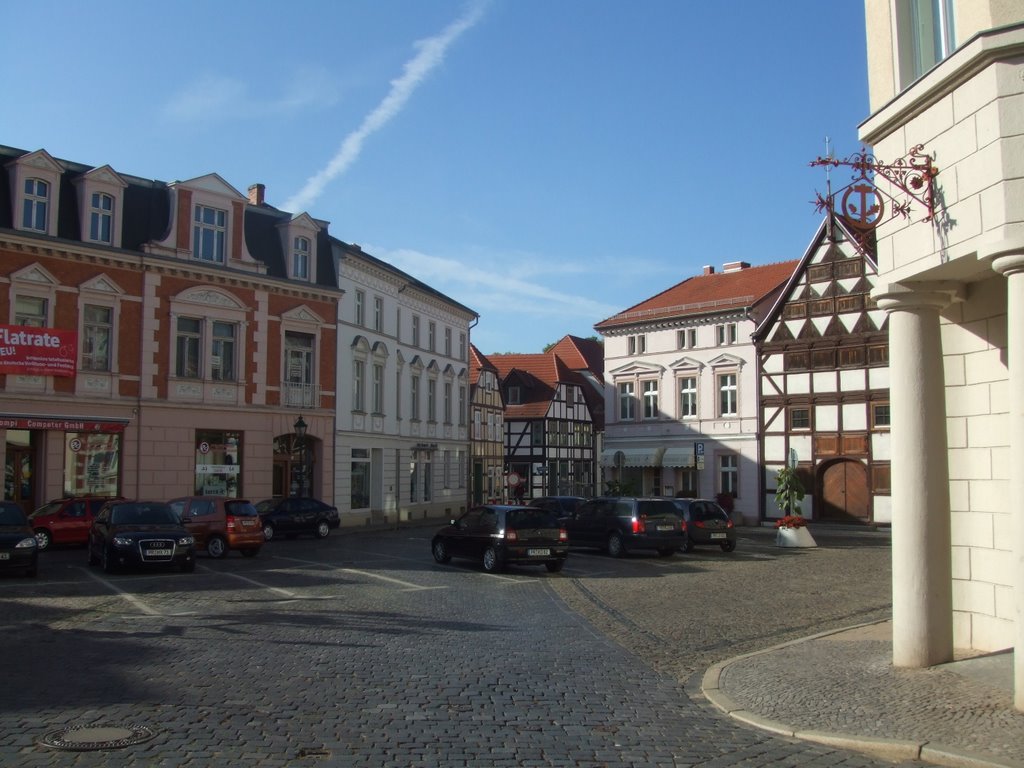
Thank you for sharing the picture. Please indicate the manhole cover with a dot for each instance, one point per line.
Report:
(83, 738)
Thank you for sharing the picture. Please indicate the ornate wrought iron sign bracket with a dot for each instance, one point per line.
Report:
(862, 202)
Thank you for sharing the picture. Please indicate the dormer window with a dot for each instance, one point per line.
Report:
(35, 205)
(209, 234)
(300, 258)
(514, 396)
(101, 218)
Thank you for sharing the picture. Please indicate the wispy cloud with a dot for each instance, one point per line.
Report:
(532, 288)
(213, 97)
(430, 53)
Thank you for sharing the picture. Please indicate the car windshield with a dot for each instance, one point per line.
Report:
(266, 505)
(48, 509)
(707, 511)
(656, 508)
(142, 514)
(531, 518)
(11, 515)
(240, 509)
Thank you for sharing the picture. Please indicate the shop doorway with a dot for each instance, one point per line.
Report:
(844, 492)
(19, 469)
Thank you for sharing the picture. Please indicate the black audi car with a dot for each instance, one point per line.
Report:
(19, 550)
(499, 535)
(139, 533)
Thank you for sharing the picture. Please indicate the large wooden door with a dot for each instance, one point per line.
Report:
(844, 492)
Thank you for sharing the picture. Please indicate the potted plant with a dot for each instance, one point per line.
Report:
(791, 529)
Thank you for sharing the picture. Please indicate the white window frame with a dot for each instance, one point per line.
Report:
(217, 229)
(649, 389)
(358, 385)
(729, 473)
(101, 216)
(726, 334)
(360, 308)
(686, 338)
(626, 391)
(688, 402)
(35, 205)
(416, 331)
(301, 251)
(188, 347)
(378, 314)
(728, 393)
(93, 362)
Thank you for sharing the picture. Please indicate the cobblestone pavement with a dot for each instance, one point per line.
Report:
(359, 651)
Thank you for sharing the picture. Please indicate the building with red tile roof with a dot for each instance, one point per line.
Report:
(681, 386)
(551, 434)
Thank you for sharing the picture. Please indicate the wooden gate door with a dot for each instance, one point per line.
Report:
(844, 492)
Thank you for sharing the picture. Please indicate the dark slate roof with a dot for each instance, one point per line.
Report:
(147, 218)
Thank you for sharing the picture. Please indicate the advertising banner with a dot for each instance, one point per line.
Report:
(32, 351)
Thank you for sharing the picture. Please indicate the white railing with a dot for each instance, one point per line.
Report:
(300, 395)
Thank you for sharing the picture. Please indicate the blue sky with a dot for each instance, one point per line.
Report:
(547, 163)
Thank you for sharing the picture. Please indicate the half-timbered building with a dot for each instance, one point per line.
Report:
(487, 443)
(550, 438)
(823, 367)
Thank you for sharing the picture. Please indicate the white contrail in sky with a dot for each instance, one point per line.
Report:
(430, 53)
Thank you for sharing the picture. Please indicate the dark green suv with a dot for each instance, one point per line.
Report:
(619, 524)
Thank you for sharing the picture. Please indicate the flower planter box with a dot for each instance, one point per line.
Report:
(794, 537)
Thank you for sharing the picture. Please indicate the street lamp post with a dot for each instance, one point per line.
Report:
(300, 432)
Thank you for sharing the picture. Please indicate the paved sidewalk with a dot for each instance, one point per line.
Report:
(840, 688)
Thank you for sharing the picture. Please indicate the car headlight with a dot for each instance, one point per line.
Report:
(186, 541)
(122, 541)
(27, 543)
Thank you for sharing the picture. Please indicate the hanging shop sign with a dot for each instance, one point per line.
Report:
(32, 351)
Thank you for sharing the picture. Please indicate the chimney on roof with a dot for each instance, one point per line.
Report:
(256, 193)
(735, 266)
(709, 270)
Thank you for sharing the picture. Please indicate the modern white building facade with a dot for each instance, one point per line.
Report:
(949, 77)
(402, 440)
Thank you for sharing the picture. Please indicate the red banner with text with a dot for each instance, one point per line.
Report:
(33, 351)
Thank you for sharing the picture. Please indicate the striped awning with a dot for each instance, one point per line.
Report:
(679, 456)
(632, 457)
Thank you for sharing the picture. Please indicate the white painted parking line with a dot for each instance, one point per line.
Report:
(283, 592)
(142, 606)
(368, 574)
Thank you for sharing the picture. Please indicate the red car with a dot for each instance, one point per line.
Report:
(67, 520)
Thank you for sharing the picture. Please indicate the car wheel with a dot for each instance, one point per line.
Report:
(268, 532)
(687, 545)
(616, 546)
(251, 552)
(666, 552)
(216, 547)
(440, 550)
(492, 560)
(555, 566)
(107, 562)
(43, 539)
(322, 529)
(728, 546)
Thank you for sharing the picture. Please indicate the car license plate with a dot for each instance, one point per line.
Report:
(159, 552)
(538, 552)
(5, 555)
(666, 527)
(718, 536)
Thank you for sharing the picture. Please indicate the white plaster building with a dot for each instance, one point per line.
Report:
(402, 440)
(681, 406)
(950, 76)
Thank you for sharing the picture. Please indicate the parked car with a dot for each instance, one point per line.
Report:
(706, 523)
(498, 535)
(19, 549)
(142, 533)
(66, 521)
(560, 506)
(296, 514)
(619, 525)
(220, 524)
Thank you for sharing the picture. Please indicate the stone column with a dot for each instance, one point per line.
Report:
(1012, 266)
(922, 570)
